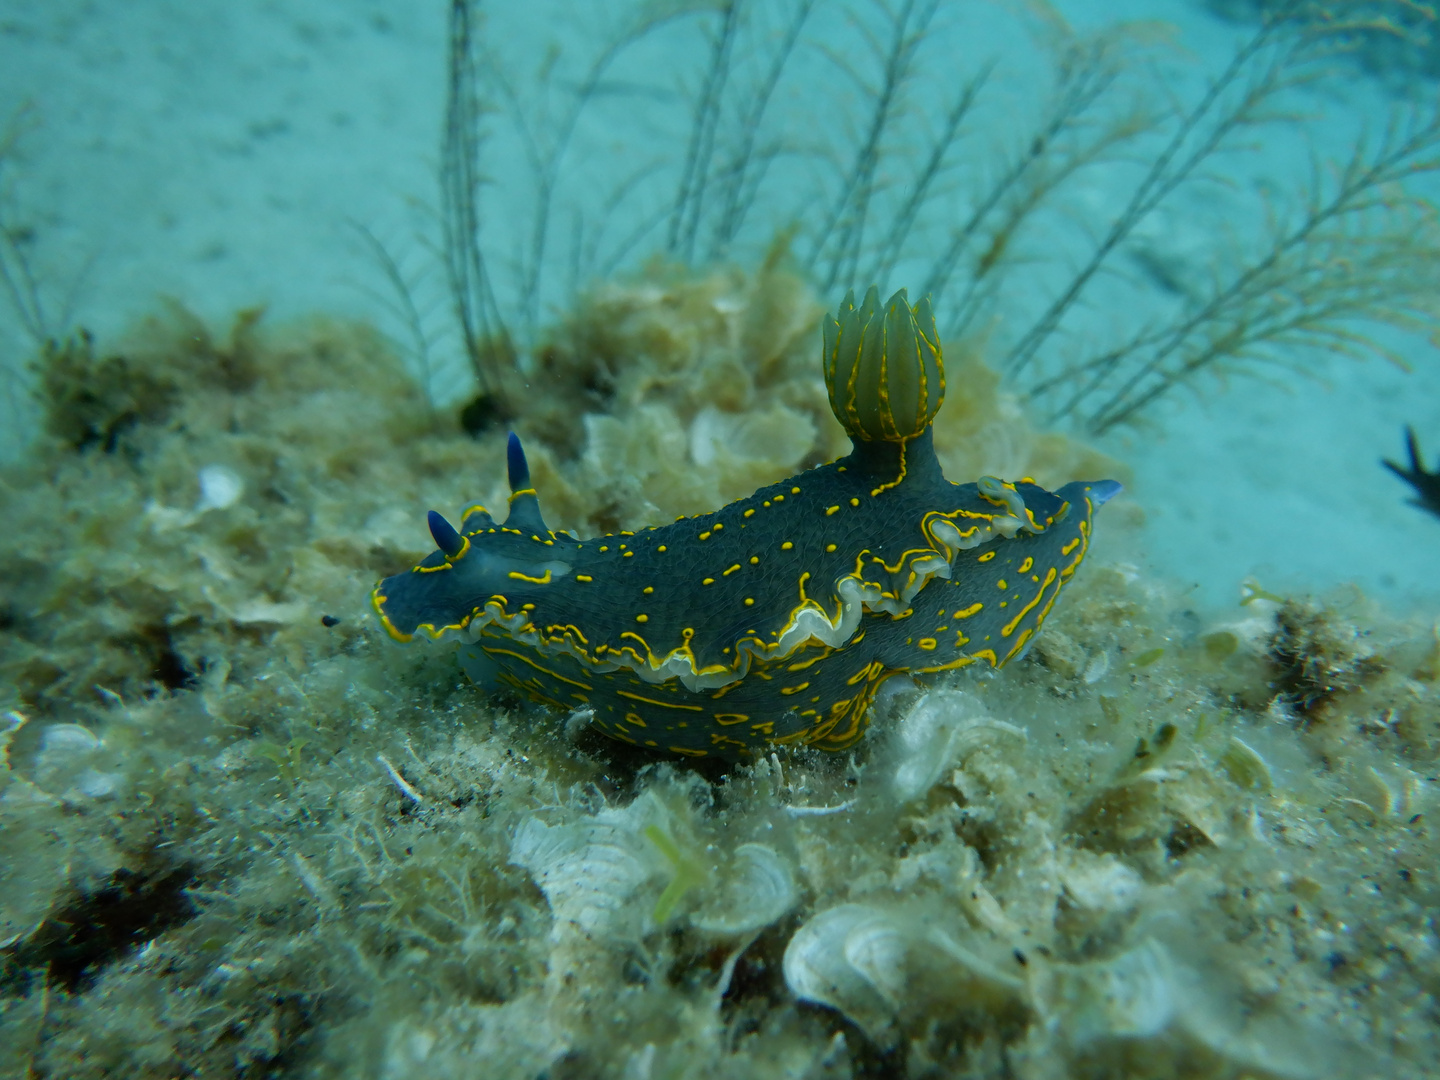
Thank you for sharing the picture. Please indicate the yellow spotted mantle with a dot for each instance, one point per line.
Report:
(775, 619)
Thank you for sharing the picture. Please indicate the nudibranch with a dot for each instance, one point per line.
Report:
(773, 620)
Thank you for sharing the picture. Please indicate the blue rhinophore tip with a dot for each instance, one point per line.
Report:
(1102, 491)
(515, 462)
(446, 538)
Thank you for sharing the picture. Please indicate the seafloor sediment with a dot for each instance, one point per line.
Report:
(245, 835)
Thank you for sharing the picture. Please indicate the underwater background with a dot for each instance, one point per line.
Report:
(277, 280)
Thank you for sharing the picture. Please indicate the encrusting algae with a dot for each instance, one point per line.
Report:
(244, 834)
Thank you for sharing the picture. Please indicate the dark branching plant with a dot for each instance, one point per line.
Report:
(837, 244)
(400, 299)
(1082, 125)
(1357, 247)
(479, 85)
(483, 331)
(44, 315)
(18, 276)
(845, 127)
(742, 165)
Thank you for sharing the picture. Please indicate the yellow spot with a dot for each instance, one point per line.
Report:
(754, 560)
(986, 557)
(1003, 583)
(583, 577)
(1025, 566)
(708, 581)
(786, 546)
(642, 618)
(604, 548)
(628, 554)
(829, 547)
(1069, 547)
(731, 570)
(765, 503)
(926, 643)
(831, 510)
(794, 491)
(660, 548)
(718, 526)
(749, 600)
(705, 536)
(750, 511)
(779, 498)
(793, 689)
(965, 613)
(854, 502)
(648, 589)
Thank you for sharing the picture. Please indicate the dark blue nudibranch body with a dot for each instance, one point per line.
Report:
(774, 619)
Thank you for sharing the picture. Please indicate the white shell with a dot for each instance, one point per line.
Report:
(94, 784)
(65, 739)
(64, 764)
(938, 731)
(852, 958)
(588, 871)
(220, 486)
(757, 889)
(1133, 995)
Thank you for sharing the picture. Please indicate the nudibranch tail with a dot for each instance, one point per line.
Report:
(773, 620)
(1102, 491)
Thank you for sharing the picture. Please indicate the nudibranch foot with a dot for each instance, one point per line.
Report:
(773, 620)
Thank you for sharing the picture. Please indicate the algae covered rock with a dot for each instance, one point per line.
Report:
(244, 834)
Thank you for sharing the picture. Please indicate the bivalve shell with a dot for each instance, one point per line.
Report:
(588, 871)
(851, 958)
(757, 889)
(938, 731)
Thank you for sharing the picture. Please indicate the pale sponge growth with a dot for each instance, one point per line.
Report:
(245, 836)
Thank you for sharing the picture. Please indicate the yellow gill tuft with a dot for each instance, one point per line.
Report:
(883, 367)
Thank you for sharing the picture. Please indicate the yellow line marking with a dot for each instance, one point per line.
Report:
(662, 704)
